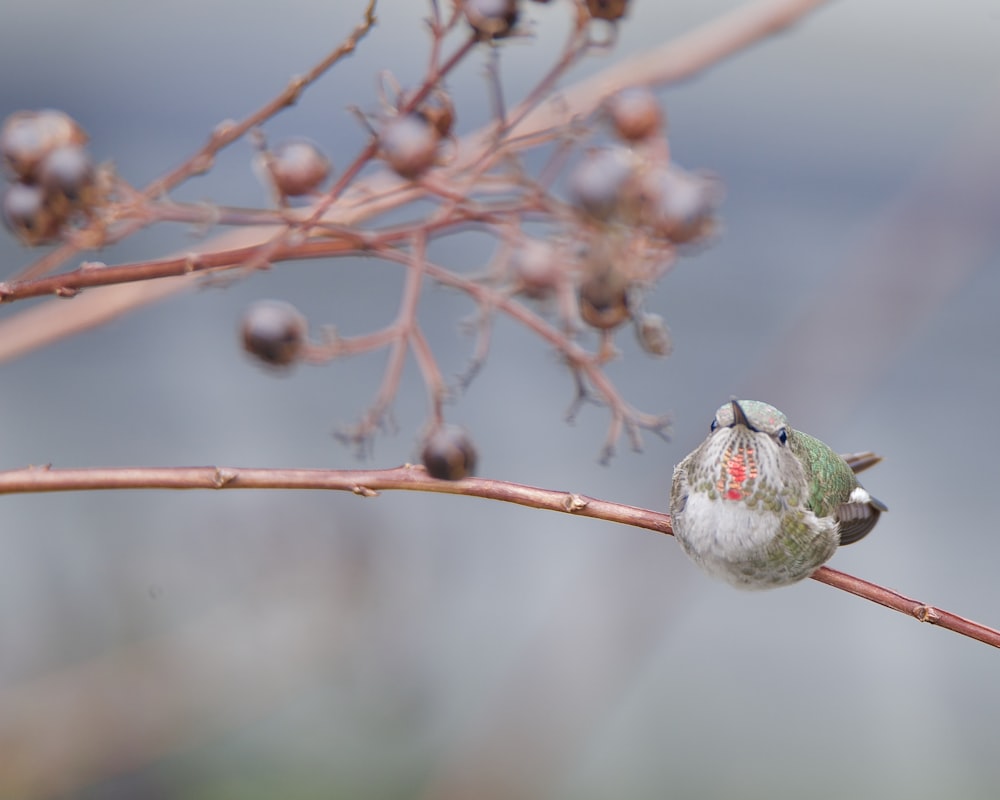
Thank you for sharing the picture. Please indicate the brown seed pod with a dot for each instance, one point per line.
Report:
(28, 215)
(68, 177)
(634, 113)
(409, 145)
(27, 137)
(598, 184)
(536, 267)
(448, 453)
(297, 167)
(491, 19)
(273, 332)
(607, 9)
(603, 299)
(439, 111)
(678, 205)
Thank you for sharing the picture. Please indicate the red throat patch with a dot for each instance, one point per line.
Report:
(738, 466)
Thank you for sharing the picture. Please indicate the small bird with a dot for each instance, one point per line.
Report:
(760, 505)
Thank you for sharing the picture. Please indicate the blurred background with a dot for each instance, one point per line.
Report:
(314, 645)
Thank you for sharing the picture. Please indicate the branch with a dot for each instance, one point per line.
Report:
(224, 135)
(679, 59)
(368, 483)
(906, 605)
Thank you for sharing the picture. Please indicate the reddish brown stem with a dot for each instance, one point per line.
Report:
(368, 483)
(224, 135)
(906, 605)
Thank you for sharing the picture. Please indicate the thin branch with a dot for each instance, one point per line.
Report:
(676, 60)
(906, 605)
(344, 243)
(579, 359)
(268, 251)
(224, 135)
(406, 319)
(368, 483)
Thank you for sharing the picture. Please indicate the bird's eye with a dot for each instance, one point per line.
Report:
(715, 424)
(782, 435)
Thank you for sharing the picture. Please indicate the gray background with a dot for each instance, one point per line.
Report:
(303, 645)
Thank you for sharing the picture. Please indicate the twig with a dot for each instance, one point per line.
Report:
(224, 135)
(368, 483)
(360, 434)
(906, 605)
(676, 60)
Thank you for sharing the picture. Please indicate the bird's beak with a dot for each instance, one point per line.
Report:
(739, 418)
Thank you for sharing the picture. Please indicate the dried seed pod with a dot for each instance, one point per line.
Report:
(409, 145)
(27, 137)
(536, 267)
(635, 113)
(439, 111)
(491, 19)
(68, 177)
(274, 332)
(297, 167)
(27, 214)
(448, 453)
(604, 299)
(679, 205)
(607, 9)
(653, 335)
(599, 182)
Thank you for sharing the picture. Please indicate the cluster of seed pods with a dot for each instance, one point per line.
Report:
(53, 180)
(628, 208)
(609, 230)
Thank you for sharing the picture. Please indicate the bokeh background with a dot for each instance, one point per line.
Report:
(310, 645)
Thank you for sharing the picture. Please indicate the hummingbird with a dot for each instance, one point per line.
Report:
(760, 505)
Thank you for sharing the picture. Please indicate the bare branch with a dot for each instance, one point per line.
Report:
(676, 60)
(368, 483)
(906, 605)
(224, 134)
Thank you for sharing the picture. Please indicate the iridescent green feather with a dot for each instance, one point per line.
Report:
(831, 480)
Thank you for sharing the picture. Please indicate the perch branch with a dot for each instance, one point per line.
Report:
(368, 483)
